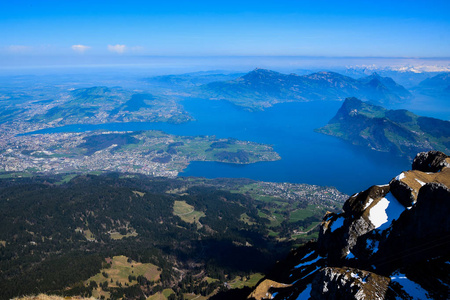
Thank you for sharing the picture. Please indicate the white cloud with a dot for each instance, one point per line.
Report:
(80, 48)
(117, 48)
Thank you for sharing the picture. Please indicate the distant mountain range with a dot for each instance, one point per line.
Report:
(438, 85)
(397, 131)
(101, 104)
(408, 77)
(262, 88)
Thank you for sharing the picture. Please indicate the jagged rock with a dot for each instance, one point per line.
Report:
(330, 236)
(431, 161)
(403, 192)
(337, 240)
(348, 283)
(421, 231)
(357, 203)
(400, 228)
(352, 233)
(407, 185)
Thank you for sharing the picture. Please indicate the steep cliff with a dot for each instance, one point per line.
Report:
(390, 242)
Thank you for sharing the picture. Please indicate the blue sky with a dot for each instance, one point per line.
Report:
(225, 28)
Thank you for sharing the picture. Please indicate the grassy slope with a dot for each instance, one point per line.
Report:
(187, 213)
(120, 270)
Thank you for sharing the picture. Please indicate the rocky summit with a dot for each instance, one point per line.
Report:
(390, 241)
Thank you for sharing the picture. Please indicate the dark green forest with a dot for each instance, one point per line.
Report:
(57, 234)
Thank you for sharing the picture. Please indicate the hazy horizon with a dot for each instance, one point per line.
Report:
(89, 33)
(157, 65)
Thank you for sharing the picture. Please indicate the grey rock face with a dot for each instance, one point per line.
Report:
(400, 228)
(348, 283)
(431, 161)
(403, 192)
(336, 242)
(419, 232)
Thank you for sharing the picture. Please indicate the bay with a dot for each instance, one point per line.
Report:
(306, 156)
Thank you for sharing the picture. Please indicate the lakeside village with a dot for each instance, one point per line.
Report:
(60, 153)
(148, 152)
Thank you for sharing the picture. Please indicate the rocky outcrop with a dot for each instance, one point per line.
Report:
(432, 161)
(348, 283)
(422, 231)
(428, 167)
(339, 232)
(382, 244)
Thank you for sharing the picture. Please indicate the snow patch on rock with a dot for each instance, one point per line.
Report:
(372, 245)
(337, 223)
(410, 287)
(385, 211)
(308, 255)
(400, 176)
(307, 263)
(315, 270)
(420, 182)
(368, 203)
(305, 294)
(350, 255)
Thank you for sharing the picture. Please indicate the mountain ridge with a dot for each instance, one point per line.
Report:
(397, 131)
(437, 86)
(390, 242)
(263, 88)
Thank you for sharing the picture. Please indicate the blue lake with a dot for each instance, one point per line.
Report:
(307, 156)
